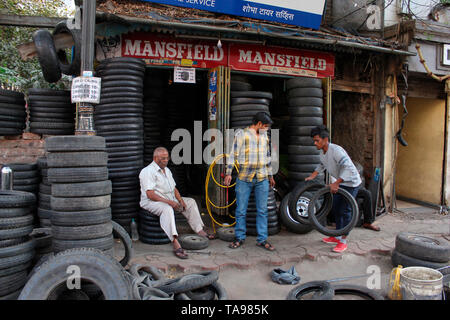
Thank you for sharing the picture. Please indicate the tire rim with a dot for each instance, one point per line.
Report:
(302, 207)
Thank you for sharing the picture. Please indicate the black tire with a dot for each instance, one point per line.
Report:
(305, 92)
(81, 203)
(422, 247)
(313, 218)
(16, 222)
(252, 94)
(12, 124)
(16, 199)
(300, 130)
(303, 82)
(305, 112)
(80, 218)
(17, 249)
(305, 121)
(121, 233)
(82, 232)
(363, 292)
(76, 175)
(42, 237)
(97, 267)
(155, 241)
(302, 150)
(16, 260)
(193, 242)
(238, 101)
(74, 143)
(189, 282)
(103, 244)
(77, 159)
(14, 212)
(308, 187)
(12, 282)
(327, 291)
(46, 52)
(226, 234)
(305, 101)
(399, 258)
(85, 189)
(72, 68)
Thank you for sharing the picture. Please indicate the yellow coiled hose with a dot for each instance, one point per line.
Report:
(208, 200)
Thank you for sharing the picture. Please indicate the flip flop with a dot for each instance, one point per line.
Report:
(236, 244)
(265, 245)
(179, 253)
(371, 227)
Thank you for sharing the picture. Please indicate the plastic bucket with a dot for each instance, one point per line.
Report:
(420, 283)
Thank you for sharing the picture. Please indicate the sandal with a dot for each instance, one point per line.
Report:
(236, 244)
(371, 227)
(266, 245)
(179, 253)
(211, 236)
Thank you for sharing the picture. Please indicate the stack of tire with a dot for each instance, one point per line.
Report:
(81, 193)
(150, 231)
(26, 177)
(51, 111)
(12, 113)
(305, 107)
(45, 191)
(417, 250)
(119, 119)
(245, 104)
(152, 104)
(16, 245)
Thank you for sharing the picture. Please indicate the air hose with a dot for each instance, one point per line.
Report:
(209, 203)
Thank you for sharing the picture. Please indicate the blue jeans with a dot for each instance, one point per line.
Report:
(243, 191)
(341, 208)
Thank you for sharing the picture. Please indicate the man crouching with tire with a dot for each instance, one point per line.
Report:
(343, 172)
(160, 197)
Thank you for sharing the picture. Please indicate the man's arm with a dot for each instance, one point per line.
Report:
(179, 198)
(237, 143)
(152, 195)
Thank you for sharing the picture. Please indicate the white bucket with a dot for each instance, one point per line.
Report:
(420, 283)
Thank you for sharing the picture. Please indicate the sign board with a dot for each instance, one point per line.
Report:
(243, 57)
(212, 94)
(86, 89)
(294, 12)
(278, 60)
(172, 51)
(184, 75)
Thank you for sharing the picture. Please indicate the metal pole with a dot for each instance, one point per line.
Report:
(7, 178)
(85, 111)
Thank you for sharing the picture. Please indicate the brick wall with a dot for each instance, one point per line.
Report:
(26, 148)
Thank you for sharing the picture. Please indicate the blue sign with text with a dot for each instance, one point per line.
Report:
(294, 12)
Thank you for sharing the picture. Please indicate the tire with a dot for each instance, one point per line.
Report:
(72, 68)
(422, 247)
(16, 260)
(305, 101)
(80, 218)
(77, 159)
(325, 287)
(97, 267)
(82, 232)
(237, 101)
(288, 220)
(12, 282)
(75, 143)
(155, 241)
(17, 249)
(14, 212)
(17, 222)
(46, 52)
(49, 92)
(85, 189)
(120, 233)
(333, 233)
(399, 258)
(300, 130)
(103, 244)
(193, 242)
(226, 234)
(42, 237)
(16, 199)
(308, 187)
(303, 150)
(82, 203)
(77, 175)
(305, 112)
(363, 292)
(189, 282)
(305, 92)
(305, 121)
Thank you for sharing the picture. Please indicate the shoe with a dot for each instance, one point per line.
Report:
(331, 240)
(341, 247)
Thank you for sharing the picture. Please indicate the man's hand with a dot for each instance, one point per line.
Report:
(227, 180)
(183, 204)
(272, 182)
(334, 187)
(312, 176)
(175, 205)
(309, 178)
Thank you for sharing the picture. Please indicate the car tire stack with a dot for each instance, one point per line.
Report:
(45, 191)
(245, 104)
(16, 245)
(12, 113)
(51, 111)
(119, 119)
(81, 193)
(150, 231)
(416, 250)
(305, 107)
(26, 177)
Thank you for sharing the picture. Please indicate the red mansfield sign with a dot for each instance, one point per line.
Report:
(173, 52)
(169, 51)
(255, 58)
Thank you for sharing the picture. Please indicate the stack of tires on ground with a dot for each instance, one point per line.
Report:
(26, 177)
(16, 245)
(244, 105)
(150, 231)
(12, 113)
(305, 101)
(119, 119)
(51, 112)
(416, 250)
(81, 193)
(45, 191)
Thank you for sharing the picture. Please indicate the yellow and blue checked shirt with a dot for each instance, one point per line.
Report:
(252, 154)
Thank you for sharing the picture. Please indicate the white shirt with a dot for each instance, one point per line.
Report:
(153, 178)
(339, 165)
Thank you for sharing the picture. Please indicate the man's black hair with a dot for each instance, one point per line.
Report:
(264, 117)
(321, 131)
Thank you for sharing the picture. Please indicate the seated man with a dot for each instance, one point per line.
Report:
(160, 197)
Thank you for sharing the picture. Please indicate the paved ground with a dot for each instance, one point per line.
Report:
(245, 272)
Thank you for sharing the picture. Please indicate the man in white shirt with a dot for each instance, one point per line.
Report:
(343, 172)
(160, 197)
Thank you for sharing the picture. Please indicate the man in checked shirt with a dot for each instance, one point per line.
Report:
(251, 148)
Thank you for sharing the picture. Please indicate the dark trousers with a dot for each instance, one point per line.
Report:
(341, 209)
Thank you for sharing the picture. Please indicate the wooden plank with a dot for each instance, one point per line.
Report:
(350, 86)
(29, 21)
